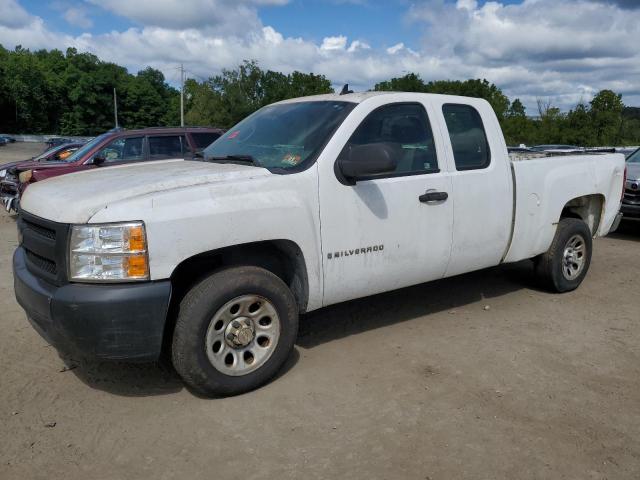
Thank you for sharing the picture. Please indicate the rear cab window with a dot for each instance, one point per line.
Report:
(468, 138)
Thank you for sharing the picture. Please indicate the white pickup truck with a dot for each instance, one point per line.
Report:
(305, 203)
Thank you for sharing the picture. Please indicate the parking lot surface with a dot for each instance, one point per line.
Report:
(478, 376)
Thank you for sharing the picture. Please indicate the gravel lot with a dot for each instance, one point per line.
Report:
(479, 376)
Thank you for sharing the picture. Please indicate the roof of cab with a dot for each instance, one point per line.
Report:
(336, 97)
(363, 96)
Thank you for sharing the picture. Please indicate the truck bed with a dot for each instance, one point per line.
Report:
(563, 178)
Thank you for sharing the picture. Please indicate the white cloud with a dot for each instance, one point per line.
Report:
(12, 15)
(181, 14)
(78, 17)
(395, 49)
(541, 48)
(358, 45)
(466, 4)
(334, 43)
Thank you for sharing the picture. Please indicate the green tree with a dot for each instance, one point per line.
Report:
(606, 117)
(225, 99)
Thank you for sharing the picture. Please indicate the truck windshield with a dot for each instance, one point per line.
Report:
(634, 157)
(281, 136)
(78, 154)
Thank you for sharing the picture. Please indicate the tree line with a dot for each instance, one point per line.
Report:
(71, 93)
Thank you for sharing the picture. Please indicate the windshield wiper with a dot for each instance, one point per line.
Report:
(242, 159)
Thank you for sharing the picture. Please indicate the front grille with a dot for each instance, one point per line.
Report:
(8, 188)
(40, 230)
(42, 263)
(632, 196)
(45, 246)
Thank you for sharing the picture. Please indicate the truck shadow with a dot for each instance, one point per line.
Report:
(628, 230)
(326, 325)
(357, 316)
(141, 379)
(126, 379)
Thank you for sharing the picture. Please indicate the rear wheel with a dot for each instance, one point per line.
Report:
(234, 331)
(563, 267)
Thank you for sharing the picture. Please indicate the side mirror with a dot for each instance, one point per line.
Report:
(99, 160)
(364, 161)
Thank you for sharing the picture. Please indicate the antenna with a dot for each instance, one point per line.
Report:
(345, 90)
(115, 106)
(182, 95)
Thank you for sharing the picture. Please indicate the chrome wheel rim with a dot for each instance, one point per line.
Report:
(573, 257)
(242, 335)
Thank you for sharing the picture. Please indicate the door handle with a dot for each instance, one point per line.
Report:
(431, 196)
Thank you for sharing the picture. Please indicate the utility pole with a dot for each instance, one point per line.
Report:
(182, 95)
(115, 106)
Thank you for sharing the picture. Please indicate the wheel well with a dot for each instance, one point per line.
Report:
(587, 208)
(281, 257)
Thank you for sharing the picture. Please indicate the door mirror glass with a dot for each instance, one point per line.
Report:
(362, 161)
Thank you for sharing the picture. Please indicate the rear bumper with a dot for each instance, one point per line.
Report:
(110, 322)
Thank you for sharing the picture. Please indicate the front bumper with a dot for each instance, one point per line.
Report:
(108, 321)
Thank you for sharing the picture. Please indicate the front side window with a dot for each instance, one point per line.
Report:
(468, 139)
(86, 148)
(404, 127)
(128, 149)
(281, 137)
(169, 146)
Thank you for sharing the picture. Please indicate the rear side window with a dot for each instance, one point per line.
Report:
(169, 146)
(405, 127)
(204, 139)
(468, 138)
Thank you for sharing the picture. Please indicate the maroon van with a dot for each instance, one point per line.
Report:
(114, 147)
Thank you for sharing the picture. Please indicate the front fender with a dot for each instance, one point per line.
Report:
(185, 222)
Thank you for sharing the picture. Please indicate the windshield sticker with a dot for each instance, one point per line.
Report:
(233, 135)
(291, 159)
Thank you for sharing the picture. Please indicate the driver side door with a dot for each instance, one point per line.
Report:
(382, 233)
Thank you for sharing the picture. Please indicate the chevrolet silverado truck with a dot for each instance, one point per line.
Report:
(305, 203)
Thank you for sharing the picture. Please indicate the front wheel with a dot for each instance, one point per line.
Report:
(234, 331)
(563, 267)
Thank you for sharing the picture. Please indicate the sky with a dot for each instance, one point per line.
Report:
(564, 51)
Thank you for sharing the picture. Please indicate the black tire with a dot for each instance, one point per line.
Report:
(198, 307)
(550, 267)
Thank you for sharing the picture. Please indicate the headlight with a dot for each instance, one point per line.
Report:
(113, 252)
(25, 176)
(3, 173)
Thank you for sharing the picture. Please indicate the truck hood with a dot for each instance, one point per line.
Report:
(38, 165)
(76, 197)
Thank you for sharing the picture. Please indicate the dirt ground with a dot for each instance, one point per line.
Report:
(482, 376)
